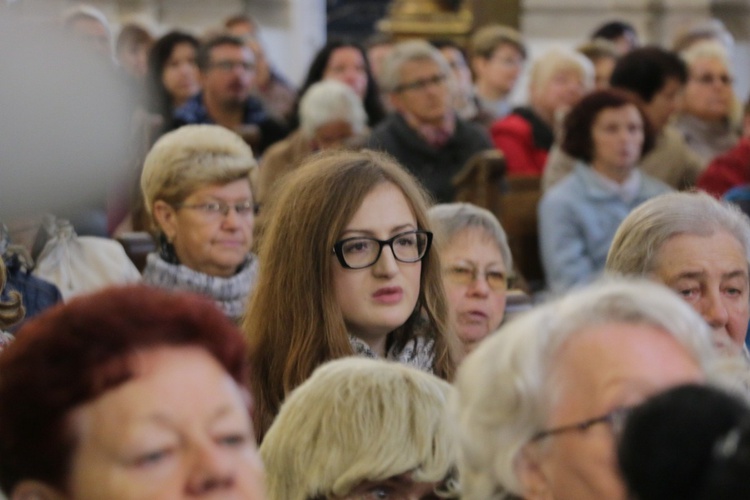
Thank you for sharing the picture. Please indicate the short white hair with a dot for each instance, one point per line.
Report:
(329, 101)
(450, 219)
(404, 52)
(706, 49)
(503, 387)
(642, 233)
(556, 60)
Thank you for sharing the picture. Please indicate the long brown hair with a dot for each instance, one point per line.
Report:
(293, 323)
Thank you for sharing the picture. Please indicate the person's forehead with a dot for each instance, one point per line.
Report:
(418, 66)
(231, 50)
(684, 252)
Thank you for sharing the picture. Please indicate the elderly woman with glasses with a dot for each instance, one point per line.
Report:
(540, 404)
(197, 190)
(347, 270)
(476, 266)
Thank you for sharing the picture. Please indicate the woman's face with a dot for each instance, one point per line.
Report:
(617, 137)
(560, 92)
(347, 65)
(376, 300)
(473, 270)
(206, 240)
(708, 93)
(179, 428)
(180, 73)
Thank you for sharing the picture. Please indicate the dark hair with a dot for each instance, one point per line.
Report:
(612, 30)
(204, 51)
(578, 141)
(159, 99)
(371, 100)
(675, 446)
(646, 70)
(75, 352)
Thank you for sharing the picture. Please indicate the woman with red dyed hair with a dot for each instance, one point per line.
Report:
(130, 393)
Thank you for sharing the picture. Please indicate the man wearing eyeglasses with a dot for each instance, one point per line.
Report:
(227, 74)
(542, 402)
(424, 134)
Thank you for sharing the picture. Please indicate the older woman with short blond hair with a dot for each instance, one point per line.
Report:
(360, 429)
(197, 190)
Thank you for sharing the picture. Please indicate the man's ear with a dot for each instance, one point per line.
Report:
(35, 490)
(166, 218)
(534, 482)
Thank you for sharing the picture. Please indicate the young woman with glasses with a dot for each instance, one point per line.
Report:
(347, 270)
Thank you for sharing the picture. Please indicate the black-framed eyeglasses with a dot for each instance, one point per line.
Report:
(615, 419)
(360, 252)
(422, 83)
(219, 209)
(464, 274)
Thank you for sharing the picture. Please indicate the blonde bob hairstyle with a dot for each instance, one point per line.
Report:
(293, 323)
(505, 390)
(192, 157)
(356, 420)
(641, 235)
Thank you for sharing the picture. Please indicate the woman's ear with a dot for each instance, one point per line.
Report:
(166, 218)
(35, 490)
(531, 475)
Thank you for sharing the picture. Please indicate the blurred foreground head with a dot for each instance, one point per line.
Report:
(129, 393)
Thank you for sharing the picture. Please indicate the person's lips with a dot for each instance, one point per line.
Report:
(388, 295)
(474, 317)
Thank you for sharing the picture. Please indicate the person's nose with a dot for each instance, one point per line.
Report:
(386, 265)
(479, 286)
(232, 219)
(714, 311)
(212, 471)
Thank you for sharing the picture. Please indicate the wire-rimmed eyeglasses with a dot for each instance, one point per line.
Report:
(360, 252)
(615, 419)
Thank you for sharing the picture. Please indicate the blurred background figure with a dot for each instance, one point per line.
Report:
(371, 429)
(703, 31)
(498, 54)
(89, 26)
(706, 116)
(227, 75)
(558, 79)
(608, 132)
(131, 50)
(620, 33)
(658, 77)
(731, 169)
(477, 267)
(331, 116)
(424, 133)
(276, 93)
(129, 393)
(378, 47)
(197, 191)
(346, 62)
(603, 55)
(11, 308)
(463, 101)
(173, 76)
(691, 442)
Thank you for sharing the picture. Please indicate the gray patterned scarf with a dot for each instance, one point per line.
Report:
(231, 294)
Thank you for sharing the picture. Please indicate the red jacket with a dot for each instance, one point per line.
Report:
(525, 141)
(728, 170)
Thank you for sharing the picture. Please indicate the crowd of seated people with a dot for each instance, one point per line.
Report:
(320, 316)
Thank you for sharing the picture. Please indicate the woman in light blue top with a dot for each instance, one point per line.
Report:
(608, 133)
